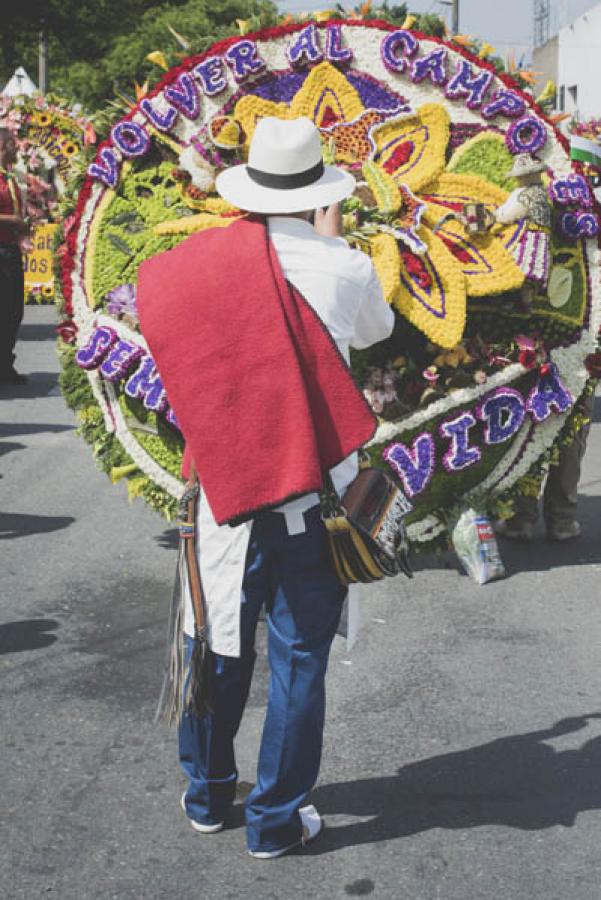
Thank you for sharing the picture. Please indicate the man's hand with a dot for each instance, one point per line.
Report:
(328, 222)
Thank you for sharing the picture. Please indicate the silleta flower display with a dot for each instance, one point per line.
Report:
(497, 310)
(49, 133)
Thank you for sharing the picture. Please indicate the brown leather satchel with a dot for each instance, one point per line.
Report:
(366, 528)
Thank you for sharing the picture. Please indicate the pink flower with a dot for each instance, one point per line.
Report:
(431, 374)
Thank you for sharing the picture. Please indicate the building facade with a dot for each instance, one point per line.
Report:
(572, 59)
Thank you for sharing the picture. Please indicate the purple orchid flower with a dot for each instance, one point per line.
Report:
(122, 301)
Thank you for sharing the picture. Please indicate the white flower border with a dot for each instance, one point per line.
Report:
(530, 442)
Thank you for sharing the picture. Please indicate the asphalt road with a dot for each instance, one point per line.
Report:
(463, 745)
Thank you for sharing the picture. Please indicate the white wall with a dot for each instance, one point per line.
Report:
(579, 65)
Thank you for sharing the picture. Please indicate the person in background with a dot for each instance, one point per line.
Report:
(560, 494)
(12, 294)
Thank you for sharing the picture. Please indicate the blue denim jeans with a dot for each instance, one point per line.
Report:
(293, 577)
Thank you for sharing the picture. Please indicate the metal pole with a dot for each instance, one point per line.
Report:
(455, 17)
(43, 60)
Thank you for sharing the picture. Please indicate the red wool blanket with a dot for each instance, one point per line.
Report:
(262, 394)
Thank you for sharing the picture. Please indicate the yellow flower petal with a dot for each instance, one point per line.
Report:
(387, 263)
(438, 307)
(323, 15)
(412, 148)
(487, 266)
(158, 58)
(191, 224)
(486, 50)
(326, 88)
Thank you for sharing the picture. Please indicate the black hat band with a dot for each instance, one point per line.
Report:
(287, 182)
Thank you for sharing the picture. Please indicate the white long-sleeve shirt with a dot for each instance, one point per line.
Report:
(342, 287)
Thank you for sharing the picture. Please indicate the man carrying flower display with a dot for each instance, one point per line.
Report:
(12, 225)
(256, 320)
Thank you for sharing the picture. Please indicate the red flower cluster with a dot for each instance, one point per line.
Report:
(68, 331)
(416, 269)
(593, 364)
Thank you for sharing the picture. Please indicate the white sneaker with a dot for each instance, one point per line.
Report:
(312, 825)
(564, 532)
(199, 826)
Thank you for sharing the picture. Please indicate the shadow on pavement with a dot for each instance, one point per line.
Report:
(596, 417)
(30, 331)
(39, 384)
(168, 539)
(9, 446)
(13, 525)
(517, 781)
(12, 428)
(28, 634)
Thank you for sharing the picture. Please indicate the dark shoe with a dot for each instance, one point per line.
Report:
(12, 377)
(565, 532)
(515, 531)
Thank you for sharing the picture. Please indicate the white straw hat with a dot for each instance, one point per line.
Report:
(285, 171)
(525, 164)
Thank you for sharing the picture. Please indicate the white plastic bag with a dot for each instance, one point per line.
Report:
(475, 544)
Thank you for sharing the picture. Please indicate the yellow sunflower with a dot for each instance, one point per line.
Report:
(69, 148)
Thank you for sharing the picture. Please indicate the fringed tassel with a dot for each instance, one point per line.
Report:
(170, 705)
(197, 699)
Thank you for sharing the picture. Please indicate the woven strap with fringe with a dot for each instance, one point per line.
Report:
(186, 686)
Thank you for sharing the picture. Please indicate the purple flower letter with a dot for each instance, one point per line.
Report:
(335, 52)
(527, 135)
(184, 96)
(460, 455)
(91, 354)
(105, 168)
(305, 48)
(146, 385)
(504, 103)
(211, 75)
(392, 43)
(571, 190)
(433, 65)
(574, 225)
(130, 138)
(162, 121)
(413, 466)
(503, 411)
(548, 395)
(121, 358)
(244, 60)
(465, 84)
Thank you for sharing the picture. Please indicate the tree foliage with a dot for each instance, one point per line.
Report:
(97, 47)
(94, 47)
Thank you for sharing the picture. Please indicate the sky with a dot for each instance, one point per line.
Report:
(506, 24)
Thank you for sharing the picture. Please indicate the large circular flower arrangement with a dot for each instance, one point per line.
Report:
(495, 319)
(50, 134)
